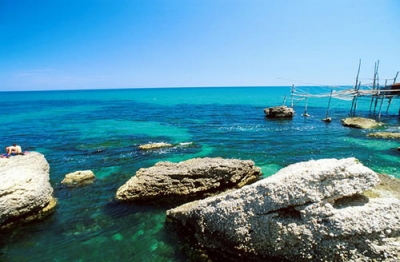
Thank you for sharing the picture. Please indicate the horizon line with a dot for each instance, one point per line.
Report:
(170, 87)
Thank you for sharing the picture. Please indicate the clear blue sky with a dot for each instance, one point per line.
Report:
(87, 44)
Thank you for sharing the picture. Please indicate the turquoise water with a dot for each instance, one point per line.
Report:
(102, 129)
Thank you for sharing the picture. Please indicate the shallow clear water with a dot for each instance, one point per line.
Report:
(101, 130)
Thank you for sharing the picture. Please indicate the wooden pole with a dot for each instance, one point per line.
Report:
(394, 80)
(356, 100)
(355, 85)
(358, 73)
(372, 101)
(376, 103)
(305, 108)
(373, 97)
(327, 118)
(376, 84)
(329, 104)
(380, 107)
(291, 96)
(385, 89)
(389, 102)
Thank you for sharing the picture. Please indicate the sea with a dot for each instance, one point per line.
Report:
(101, 130)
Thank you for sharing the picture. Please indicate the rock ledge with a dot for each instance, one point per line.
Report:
(168, 182)
(309, 211)
(26, 193)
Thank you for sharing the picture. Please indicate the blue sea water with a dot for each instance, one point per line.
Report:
(101, 130)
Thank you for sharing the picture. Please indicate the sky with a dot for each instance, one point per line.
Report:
(96, 44)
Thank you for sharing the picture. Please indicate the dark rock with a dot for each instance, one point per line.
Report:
(279, 112)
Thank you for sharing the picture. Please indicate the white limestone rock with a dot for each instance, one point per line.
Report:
(25, 190)
(151, 146)
(360, 122)
(312, 211)
(77, 178)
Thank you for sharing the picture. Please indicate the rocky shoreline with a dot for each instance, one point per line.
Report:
(319, 210)
(325, 210)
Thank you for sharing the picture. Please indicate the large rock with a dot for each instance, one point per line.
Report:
(196, 178)
(25, 190)
(360, 122)
(309, 211)
(279, 112)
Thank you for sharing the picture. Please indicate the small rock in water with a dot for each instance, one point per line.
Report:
(279, 112)
(79, 178)
(154, 146)
(360, 122)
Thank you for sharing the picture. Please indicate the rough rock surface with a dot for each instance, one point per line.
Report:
(25, 190)
(309, 211)
(279, 112)
(387, 135)
(360, 122)
(78, 178)
(192, 179)
(154, 146)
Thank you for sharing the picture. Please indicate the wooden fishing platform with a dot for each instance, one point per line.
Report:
(374, 92)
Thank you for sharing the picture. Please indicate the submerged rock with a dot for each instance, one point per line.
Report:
(279, 112)
(26, 193)
(387, 135)
(196, 178)
(360, 122)
(78, 178)
(309, 211)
